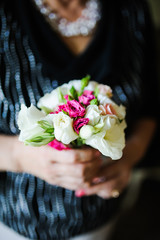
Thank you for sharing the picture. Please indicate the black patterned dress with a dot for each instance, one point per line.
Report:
(34, 61)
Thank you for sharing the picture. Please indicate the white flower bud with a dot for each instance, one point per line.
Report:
(86, 131)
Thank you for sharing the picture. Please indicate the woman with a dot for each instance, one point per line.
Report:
(41, 189)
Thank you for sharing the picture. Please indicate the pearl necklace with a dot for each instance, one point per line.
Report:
(83, 26)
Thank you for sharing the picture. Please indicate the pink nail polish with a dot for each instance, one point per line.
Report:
(80, 193)
(96, 180)
(99, 180)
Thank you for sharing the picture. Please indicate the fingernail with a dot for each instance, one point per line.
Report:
(98, 180)
(80, 193)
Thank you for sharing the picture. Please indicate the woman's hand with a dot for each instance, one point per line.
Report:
(71, 169)
(111, 180)
(114, 177)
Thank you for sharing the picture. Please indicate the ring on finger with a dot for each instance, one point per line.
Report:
(115, 193)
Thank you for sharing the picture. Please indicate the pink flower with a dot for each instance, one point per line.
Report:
(80, 123)
(66, 97)
(109, 109)
(87, 93)
(86, 97)
(62, 107)
(59, 109)
(58, 145)
(75, 109)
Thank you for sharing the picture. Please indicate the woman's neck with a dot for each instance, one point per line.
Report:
(69, 9)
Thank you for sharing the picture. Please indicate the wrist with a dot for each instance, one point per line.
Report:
(7, 160)
(15, 157)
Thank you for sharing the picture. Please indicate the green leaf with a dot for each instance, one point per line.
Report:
(94, 102)
(84, 83)
(70, 98)
(79, 142)
(96, 92)
(65, 112)
(73, 93)
(61, 97)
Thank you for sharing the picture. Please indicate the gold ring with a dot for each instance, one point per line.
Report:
(115, 193)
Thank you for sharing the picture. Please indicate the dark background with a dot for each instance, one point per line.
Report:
(140, 210)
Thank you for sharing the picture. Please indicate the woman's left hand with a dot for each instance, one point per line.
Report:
(111, 180)
(114, 177)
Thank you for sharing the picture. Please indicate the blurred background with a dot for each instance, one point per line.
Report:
(155, 9)
(140, 210)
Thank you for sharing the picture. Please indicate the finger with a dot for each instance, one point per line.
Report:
(68, 182)
(106, 186)
(110, 171)
(73, 155)
(84, 171)
(105, 189)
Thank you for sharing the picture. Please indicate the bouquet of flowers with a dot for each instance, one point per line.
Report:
(77, 113)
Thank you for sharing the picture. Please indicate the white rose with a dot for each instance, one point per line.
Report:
(63, 128)
(104, 99)
(91, 86)
(110, 141)
(105, 90)
(93, 113)
(75, 83)
(49, 100)
(27, 122)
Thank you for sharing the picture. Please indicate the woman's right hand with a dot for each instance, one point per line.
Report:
(71, 169)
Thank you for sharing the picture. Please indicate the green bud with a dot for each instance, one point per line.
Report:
(86, 131)
(46, 126)
(41, 140)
